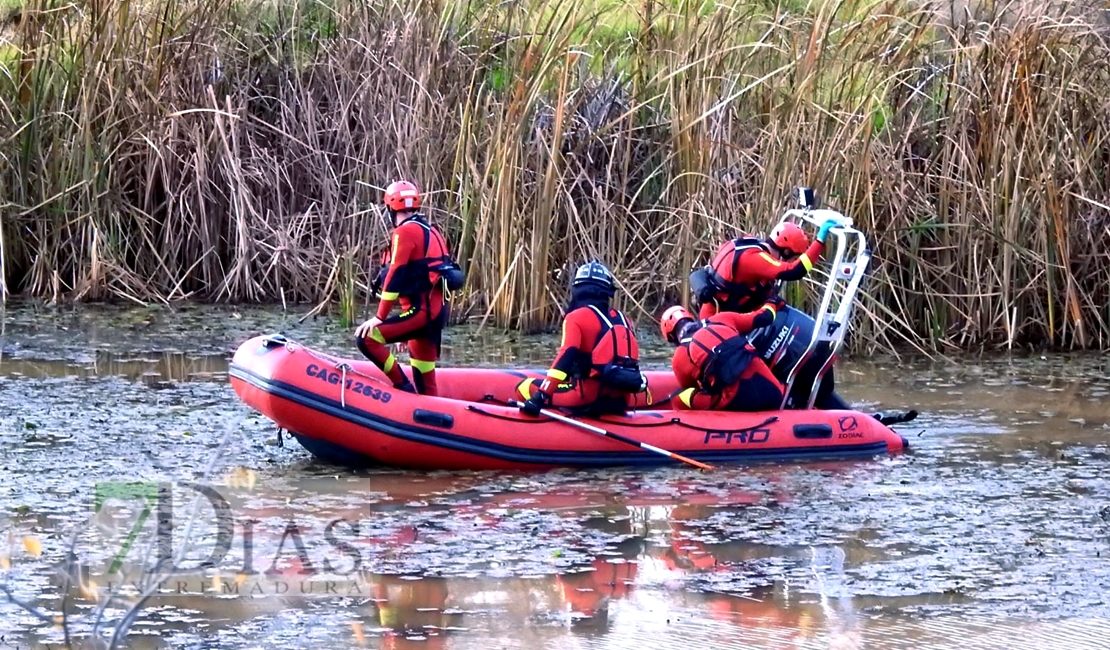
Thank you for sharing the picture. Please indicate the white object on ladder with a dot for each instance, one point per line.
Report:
(842, 282)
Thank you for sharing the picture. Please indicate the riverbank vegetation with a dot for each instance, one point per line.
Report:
(236, 150)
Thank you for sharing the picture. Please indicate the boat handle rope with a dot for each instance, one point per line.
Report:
(471, 407)
(673, 421)
(343, 367)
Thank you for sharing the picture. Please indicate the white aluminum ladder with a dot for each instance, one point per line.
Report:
(843, 276)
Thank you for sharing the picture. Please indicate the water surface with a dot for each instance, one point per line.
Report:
(992, 532)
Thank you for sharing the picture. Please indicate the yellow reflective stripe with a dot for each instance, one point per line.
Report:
(556, 374)
(525, 388)
(393, 253)
(770, 308)
(390, 295)
(423, 366)
(377, 335)
(390, 361)
(770, 260)
(563, 338)
(806, 263)
(686, 396)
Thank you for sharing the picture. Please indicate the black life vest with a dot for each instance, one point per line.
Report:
(722, 286)
(721, 355)
(614, 359)
(421, 275)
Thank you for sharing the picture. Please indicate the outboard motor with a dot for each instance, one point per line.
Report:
(842, 281)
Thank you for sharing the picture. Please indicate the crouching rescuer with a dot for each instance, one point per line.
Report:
(744, 270)
(597, 366)
(715, 364)
(417, 278)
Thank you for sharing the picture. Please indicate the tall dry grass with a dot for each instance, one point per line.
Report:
(168, 149)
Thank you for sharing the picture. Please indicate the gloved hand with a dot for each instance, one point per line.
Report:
(823, 232)
(533, 405)
(362, 331)
(378, 282)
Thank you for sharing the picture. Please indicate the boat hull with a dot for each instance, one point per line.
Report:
(344, 412)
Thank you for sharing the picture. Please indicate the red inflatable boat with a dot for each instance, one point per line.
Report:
(344, 411)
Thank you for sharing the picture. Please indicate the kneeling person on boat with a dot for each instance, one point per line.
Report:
(597, 365)
(420, 272)
(715, 364)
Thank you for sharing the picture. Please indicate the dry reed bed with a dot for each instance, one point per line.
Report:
(234, 151)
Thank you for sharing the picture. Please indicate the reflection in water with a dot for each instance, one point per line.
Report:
(990, 533)
(629, 543)
(149, 368)
(657, 561)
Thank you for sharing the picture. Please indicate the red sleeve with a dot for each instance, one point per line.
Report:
(742, 323)
(755, 265)
(706, 310)
(683, 368)
(569, 349)
(405, 241)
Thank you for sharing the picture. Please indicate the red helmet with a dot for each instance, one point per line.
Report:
(671, 320)
(789, 237)
(401, 195)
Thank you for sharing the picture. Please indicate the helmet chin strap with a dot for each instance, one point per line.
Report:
(783, 253)
(393, 213)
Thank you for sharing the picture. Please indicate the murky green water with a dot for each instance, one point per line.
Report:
(993, 532)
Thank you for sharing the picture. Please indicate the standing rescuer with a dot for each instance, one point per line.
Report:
(419, 274)
(744, 271)
(597, 365)
(716, 366)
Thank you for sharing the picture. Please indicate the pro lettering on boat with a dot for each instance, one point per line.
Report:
(747, 437)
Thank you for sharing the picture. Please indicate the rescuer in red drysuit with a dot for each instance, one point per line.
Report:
(420, 272)
(597, 366)
(716, 365)
(744, 271)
